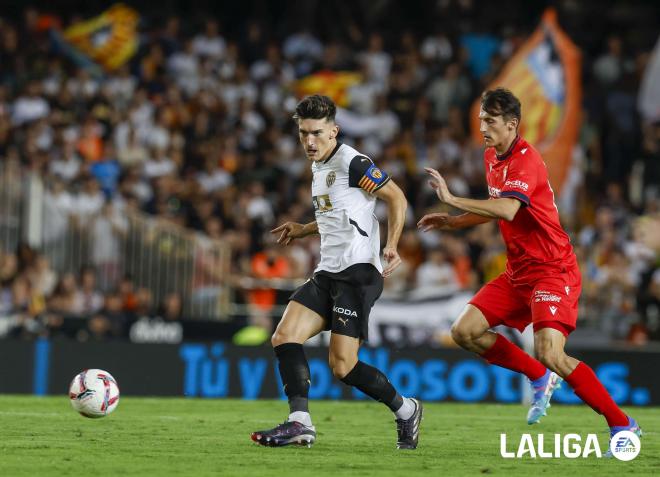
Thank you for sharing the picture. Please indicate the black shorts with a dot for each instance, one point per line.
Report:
(343, 299)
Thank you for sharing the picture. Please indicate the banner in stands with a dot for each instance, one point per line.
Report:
(216, 370)
(108, 40)
(334, 84)
(545, 75)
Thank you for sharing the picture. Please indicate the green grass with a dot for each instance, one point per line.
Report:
(194, 437)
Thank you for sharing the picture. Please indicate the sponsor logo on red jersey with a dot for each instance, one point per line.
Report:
(517, 184)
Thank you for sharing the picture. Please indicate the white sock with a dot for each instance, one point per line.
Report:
(302, 417)
(406, 410)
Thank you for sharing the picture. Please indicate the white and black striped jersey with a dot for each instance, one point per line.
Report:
(342, 190)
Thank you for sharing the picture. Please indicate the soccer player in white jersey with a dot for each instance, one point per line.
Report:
(347, 281)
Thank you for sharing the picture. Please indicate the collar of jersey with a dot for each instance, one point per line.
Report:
(333, 152)
(509, 151)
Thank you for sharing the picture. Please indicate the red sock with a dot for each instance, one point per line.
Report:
(504, 353)
(588, 388)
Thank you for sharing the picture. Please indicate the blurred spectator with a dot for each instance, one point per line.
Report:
(42, 278)
(437, 48)
(30, 106)
(303, 49)
(87, 299)
(608, 67)
(110, 322)
(210, 43)
(88, 202)
(107, 232)
(67, 164)
(377, 61)
(106, 171)
(127, 293)
(162, 328)
(452, 89)
(267, 265)
(435, 277)
(648, 230)
(90, 143)
(63, 299)
(480, 49)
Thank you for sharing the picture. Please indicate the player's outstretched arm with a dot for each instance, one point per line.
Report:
(502, 208)
(396, 217)
(444, 221)
(290, 231)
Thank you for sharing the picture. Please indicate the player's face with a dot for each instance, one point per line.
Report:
(317, 137)
(497, 133)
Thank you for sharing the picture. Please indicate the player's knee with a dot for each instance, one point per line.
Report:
(279, 337)
(340, 367)
(461, 334)
(550, 357)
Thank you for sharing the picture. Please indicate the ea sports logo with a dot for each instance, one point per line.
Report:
(625, 445)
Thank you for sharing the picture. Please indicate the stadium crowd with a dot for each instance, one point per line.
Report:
(196, 129)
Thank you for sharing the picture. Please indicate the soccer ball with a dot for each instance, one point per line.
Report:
(94, 393)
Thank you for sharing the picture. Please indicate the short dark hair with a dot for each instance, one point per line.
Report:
(316, 107)
(501, 102)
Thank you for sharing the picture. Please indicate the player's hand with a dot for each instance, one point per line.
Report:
(393, 260)
(289, 232)
(439, 184)
(442, 221)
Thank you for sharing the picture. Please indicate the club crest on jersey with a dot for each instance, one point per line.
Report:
(330, 178)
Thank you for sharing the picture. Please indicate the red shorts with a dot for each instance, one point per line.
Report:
(549, 302)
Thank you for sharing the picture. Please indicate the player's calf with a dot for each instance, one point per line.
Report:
(407, 411)
(555, 359)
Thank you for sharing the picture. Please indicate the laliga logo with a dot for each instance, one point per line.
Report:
(568, 447)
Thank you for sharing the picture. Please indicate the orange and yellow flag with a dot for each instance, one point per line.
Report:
(545, 75)
(108, 40)
(334, 84)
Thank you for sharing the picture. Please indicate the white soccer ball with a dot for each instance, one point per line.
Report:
(94, 393)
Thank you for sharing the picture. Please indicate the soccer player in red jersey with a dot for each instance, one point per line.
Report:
(542, 282)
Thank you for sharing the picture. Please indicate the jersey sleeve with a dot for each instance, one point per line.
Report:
(521, 179)
(363, 173)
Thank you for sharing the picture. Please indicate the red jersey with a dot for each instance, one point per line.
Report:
(536, 243)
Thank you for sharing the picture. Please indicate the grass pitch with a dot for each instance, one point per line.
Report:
(195, 437)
